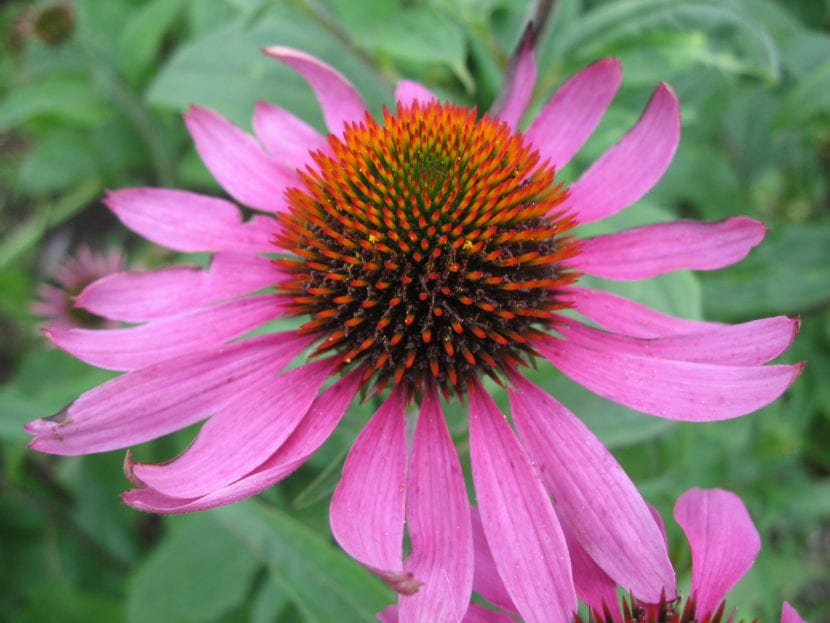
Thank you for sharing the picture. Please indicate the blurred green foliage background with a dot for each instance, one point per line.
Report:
(91, 93)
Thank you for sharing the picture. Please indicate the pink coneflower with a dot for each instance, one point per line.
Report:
(56, 302)
(424, 251)
(724, 544)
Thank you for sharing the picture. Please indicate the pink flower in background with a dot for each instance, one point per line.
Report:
(724, 544)
(424, 251)
(56, 303)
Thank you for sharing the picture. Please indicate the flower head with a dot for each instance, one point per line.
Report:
(56, 303)
(423, 251)
(724, 544)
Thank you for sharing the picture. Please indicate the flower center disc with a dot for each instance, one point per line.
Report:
(427, 246)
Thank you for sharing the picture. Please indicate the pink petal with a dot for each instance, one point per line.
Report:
(677, 390)
(339, 100)
(574, 111)
(625, 316)
(723, 540)
(594, 587)
(486, 579)
(238, 162)
(594, 496)
(790, 614)
(477, 613)
(652, 250)
(408, 91)
(629, 169)
(438, 522)
(163, 398)
(748, 344)
(322, 417)
(173, 336)
(286, 137)
(154, 294)
(522, 80)
(189, 222)
(257, 422)
(519, 522)
(367, 508)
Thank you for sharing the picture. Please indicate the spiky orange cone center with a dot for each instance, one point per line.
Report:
(426, 246)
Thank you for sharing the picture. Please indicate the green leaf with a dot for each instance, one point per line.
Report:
(733, 41)
(72, 100)
(322, 581)
(142, 37)
(419, 34)
(809, 98)
(789, 273)
(198, 573)
(226, 70)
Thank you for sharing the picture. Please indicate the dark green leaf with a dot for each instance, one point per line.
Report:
(324, 583)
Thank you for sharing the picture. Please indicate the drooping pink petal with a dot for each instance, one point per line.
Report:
(137, 347)
(518, 519)
(287, 138)
(154, 294)
(748, 344)
(238, 162)
(522, 80)
(240, 437)
(593, 586)
(340, 102)
(622, 315)
(409, 91)
(723, 540)
(190, 222)
(574, 111)
(367, 507)
(677, 390)
(652, 250)
(320, 420)
(790, 614)
(163, 398)
(486, 579)
(594, 496)
(438, 523)
(628, 170)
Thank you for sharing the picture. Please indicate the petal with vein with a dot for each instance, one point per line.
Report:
(652, 250)
(320, 420)
(622, 315)
(522, 80)
(189, 222)
(519, 522)
(747, 344)
(723, 540)
(340, 102)
(486, 579)
(158, 400)
(238, 161)
(629, 169)
(154, 294)
(286, 137)
(574, 111)
(172, 336)
(677, 390)
(438, 522)
(240, 437)
(367, 507)
(594, 496)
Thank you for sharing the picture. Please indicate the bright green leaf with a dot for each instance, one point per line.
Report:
(142, 37)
